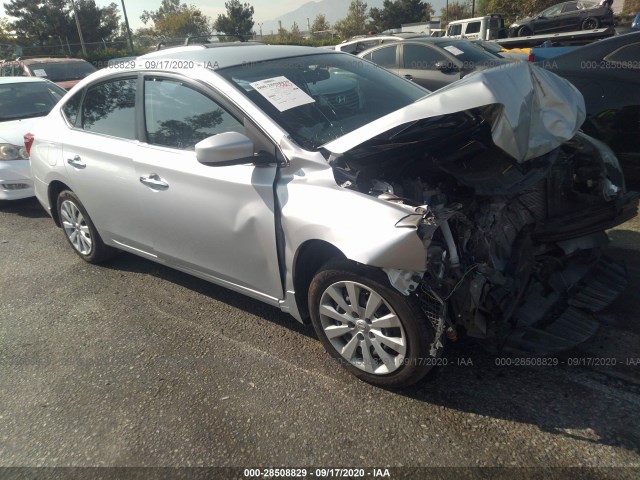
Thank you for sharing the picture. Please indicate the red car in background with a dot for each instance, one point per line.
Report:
(65, 72)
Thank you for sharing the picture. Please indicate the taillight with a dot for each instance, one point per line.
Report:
(532, 57)
(28, 141)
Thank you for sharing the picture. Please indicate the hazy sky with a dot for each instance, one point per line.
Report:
(264, 9)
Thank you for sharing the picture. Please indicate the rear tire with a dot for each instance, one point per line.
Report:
(590, 23)
(80, 231)
(384, 339)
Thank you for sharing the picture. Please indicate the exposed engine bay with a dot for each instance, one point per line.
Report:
(514, 250)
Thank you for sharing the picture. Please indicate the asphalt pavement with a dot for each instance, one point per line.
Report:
(132, 364)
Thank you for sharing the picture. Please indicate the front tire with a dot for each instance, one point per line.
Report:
(375, 332)
(590, 23)
(525, 31)
(80, 231)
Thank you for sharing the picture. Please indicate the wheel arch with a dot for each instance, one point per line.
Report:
(308, 260)
(55, 188)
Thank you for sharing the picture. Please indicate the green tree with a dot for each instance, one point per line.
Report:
(97, 23)
(394, 13)
(511, 9)
(457, 11)
(7, 39)
(320, 24)
(39, 22)
(167, 8)
(355, 23)
(482, 7)
(175, 19)
(47, 22)
(6, 35)
(295, 32)
(631, 6)
(238, 20)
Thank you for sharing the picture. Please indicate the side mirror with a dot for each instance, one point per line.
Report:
(445, 66)
(228, 148)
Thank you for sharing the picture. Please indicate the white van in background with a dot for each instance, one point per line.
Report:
(489, 27)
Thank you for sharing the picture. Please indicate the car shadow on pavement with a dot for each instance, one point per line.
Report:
(575, 401)
(569, 401)
(26, 207)
(132, 263)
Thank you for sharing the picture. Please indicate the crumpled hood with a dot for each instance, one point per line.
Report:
(13, 131)
(537, 110)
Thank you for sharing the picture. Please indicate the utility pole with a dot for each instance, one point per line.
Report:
(473, 8)
(309, 27)
(260, 26)
(126, 22)
(75, 13)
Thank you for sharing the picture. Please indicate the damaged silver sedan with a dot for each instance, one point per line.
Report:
(392, 219)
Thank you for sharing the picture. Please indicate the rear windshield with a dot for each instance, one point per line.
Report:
(61, 71)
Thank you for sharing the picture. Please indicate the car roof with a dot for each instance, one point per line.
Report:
(229, 56)
(7, 80)
(32, 60)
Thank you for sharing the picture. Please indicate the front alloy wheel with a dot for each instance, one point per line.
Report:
(362, 327)
(380, 335)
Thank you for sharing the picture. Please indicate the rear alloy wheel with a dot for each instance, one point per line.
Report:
(590, 23)
(525, 31)
(80, 231)
(378, 334)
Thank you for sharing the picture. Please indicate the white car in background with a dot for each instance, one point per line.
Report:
(22, 101)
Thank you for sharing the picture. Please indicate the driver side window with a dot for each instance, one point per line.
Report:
(178, 116)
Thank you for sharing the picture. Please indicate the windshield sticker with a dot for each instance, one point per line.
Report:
(38, 72)
(282, 93)
(451, 49)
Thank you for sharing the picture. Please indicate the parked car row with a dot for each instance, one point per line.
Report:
(65, 72)
(22, 101)
(391, 218)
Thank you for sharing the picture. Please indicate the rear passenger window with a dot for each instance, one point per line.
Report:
(418, 57)
(109, 108)
(178, 116)
(385, 57)
(72, 108)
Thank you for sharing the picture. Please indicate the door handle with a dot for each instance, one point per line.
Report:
(76, 162)
(409, 77)
(154, 181)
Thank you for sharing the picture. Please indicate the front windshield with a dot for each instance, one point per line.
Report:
(28, 99)
(318, 98)
(61, 71)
